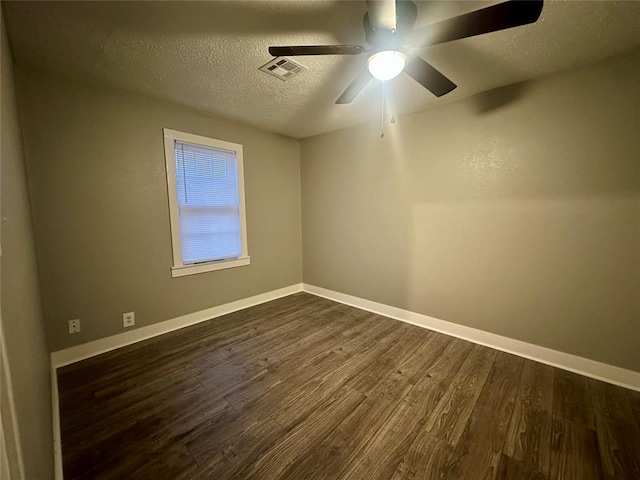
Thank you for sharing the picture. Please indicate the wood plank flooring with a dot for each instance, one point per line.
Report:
(306, 388)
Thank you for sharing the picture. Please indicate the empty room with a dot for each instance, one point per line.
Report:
(320, 240)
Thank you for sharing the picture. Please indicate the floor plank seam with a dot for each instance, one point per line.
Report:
(276, 420)
(550, 439)
(513, 408)
(192, 456)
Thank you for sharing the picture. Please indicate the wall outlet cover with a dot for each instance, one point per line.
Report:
(74, 325)
(128, 319)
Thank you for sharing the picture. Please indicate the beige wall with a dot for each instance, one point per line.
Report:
(516, 212)
(97, 170)
(22, 324)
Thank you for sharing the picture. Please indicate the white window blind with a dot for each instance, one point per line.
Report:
(208, 204)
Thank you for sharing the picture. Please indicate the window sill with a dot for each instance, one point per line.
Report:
(208, 267)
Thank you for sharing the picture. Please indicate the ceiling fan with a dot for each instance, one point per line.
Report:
(388, 27)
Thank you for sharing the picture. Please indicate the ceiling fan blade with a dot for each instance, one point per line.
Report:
(428, 77)
(382, 14)
(292, 51)
(512, 13)
(352, 91)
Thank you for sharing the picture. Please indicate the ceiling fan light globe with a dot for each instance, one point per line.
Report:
(387, 64)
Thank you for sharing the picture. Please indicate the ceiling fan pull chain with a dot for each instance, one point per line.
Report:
(393, 100)
(382, 113)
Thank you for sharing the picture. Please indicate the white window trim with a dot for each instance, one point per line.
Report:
(179, 269)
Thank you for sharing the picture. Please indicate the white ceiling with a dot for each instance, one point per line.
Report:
(206, 55)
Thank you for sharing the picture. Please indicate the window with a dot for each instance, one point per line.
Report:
(206, 203)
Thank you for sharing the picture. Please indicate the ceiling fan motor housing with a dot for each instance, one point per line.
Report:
(406, 14)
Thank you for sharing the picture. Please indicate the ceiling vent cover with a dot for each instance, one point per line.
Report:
(283, 68)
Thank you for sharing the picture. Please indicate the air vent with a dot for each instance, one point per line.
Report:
(283, 68)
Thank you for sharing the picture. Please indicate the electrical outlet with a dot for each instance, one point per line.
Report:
(128, 319)
(74, 325)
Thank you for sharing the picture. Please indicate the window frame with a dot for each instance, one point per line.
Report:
(179, 268)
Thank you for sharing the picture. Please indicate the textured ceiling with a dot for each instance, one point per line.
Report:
(206, 55)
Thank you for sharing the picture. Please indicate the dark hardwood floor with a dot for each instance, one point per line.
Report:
(305, 388)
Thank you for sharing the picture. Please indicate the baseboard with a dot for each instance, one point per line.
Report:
(566, 361)
(590, 368)
(67, 356)
(9, 431)
(57, 438)
(70, 355)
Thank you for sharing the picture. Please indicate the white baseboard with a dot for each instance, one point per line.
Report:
(566, 361)
(9, 431)
(64, 357)
(584, 366)
(67, 356)
(57, 438)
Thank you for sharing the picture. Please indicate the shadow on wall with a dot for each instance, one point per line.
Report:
(515, 212)
(498, 98)
(525, 222)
